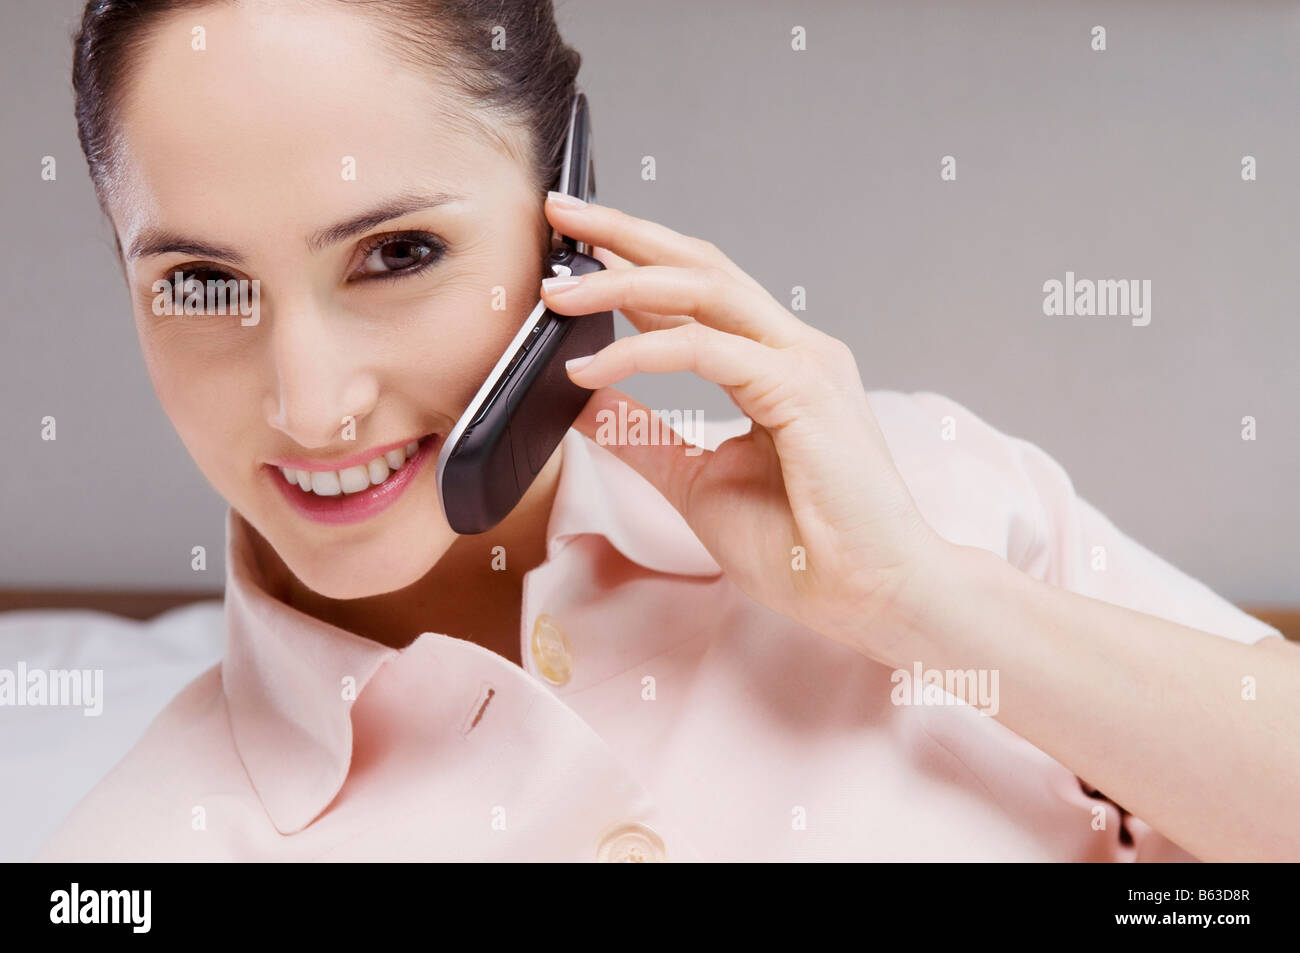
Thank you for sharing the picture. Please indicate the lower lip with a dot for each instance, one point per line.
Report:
(354, 507)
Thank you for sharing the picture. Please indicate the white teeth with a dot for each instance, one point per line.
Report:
(352, 479)
(325, 483)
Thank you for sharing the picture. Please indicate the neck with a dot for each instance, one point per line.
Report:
(487, 604)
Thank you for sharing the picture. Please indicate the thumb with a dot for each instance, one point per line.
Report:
(644, 441)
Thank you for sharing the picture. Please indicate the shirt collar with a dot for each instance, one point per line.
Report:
(290, 679)
(599, 493)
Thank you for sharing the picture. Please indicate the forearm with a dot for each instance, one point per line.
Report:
(1155, 715)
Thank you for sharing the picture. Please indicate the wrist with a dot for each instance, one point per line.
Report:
(943, 595)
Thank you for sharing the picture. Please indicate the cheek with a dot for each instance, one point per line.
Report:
(204, 391)
(467, 332)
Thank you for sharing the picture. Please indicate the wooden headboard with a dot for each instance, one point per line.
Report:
(134, 604)
(139, 604)
(1286, 621)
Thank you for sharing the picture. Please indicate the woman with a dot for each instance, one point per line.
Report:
(658, 654)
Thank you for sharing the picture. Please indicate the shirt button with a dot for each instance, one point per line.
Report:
(632, 843)
(551, 652)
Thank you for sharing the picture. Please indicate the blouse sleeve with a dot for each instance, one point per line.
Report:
(1051, 533)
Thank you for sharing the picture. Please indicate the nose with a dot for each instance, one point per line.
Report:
(321, 376)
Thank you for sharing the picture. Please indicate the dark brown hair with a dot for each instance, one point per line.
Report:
(526, 86)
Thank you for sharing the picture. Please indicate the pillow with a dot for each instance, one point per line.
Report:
(50, 757)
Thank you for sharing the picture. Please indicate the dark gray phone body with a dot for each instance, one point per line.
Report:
(527, 404)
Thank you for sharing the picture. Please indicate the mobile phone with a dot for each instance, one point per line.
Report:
(527, 404)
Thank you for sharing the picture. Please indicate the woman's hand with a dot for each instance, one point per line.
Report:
(813, 471)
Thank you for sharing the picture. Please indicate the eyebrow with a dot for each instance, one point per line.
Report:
(155, 242)
(395, 208)
(160, 242)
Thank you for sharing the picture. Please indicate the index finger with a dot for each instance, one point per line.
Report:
(638, 240)
(641, 320)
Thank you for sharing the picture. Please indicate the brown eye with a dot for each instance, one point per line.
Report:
(200, 273)
(205, 275)
(197, 288)
(400, 253)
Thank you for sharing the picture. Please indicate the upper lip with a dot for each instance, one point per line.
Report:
(342, 463)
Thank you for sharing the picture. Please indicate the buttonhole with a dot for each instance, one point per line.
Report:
(480, 706)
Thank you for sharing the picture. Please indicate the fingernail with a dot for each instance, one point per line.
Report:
(578, 363)
(552, 285)
(565, 200)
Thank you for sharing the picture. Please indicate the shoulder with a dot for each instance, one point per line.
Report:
(981, 487)
(976, 485)
(930, 431)
(918, 425)
(136, 807)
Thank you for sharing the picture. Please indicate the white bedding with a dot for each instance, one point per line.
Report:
(50, 757)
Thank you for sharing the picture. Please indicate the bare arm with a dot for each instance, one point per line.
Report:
(1197, 735)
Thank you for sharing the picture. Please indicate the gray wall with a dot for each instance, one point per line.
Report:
(818, 169)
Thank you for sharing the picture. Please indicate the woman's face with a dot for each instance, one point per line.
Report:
(396, 251)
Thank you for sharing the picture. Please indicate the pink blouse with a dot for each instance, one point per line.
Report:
(660, 714)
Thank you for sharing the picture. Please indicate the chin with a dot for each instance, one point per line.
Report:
(344, 573)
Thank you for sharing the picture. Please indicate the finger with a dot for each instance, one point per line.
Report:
(637, 240)
(725, 359)
(643, 242)
(611, 260)
(641, 320)
(709, 295)
(669, 465)
(645, 321)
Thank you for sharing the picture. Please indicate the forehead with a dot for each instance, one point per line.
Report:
(280, 100)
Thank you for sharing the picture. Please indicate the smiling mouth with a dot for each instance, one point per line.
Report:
(356, 479)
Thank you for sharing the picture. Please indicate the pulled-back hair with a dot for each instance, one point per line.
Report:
(523, 84)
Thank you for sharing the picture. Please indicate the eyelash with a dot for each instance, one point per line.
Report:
(437, 249)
